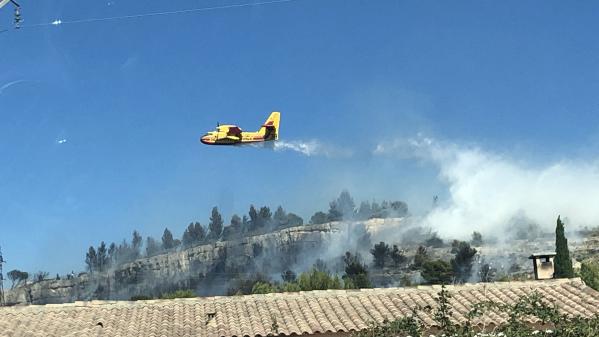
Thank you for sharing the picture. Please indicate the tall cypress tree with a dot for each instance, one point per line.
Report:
(562, 263)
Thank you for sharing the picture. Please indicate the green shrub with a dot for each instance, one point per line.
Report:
(311, 280)
(289, 287)
(318, 280)
(140, 298)
(178, 294)
(356, 273)
(437, 272)
(264, 288)
(589, 272)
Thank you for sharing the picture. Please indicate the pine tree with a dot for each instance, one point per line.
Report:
(253, 219)
(187, 238)
(335, 213)
(167, 240)
(420, 258)
(437, 272)
(380, 253)
(215, 226)
(17, 276)
(280, 217)
(318, 218)
(245, 224)
(399, 208)
(199, 232)
(346, 205)
(265, 216)
(193, 234)
(136, 242)
(364, 211)
(232, 231)
(236, 223)
(91, 259)
(125, 252)
(112, 256)
(356, 273)
(397, 256)
(562, 263)
(294, 220)
(102, 257)
(462, 262)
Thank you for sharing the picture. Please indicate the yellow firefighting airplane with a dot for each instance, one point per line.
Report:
(233, 135)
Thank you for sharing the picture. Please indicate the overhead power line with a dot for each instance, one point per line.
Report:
(164, 13)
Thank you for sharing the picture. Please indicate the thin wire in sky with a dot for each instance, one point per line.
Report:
(174, 12)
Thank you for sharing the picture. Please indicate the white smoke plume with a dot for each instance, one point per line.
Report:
(312, 148)
(487, 191)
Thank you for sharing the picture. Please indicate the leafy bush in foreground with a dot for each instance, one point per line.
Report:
(589, 272)
(552, 323)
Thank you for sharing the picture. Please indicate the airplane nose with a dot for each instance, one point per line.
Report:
(204, 139)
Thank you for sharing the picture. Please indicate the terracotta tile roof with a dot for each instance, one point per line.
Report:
(295, 313)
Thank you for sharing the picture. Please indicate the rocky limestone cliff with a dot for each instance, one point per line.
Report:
(50, 291)
(210, 269)
(206, 268)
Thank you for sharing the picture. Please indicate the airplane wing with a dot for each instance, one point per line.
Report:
(3, 2)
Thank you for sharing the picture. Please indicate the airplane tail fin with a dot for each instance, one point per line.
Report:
(270, 128)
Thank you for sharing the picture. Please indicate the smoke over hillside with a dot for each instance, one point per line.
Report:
(494, 194)
(488, 191)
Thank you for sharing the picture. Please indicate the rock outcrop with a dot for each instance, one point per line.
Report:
(50, 291)
(207, 268)
(211, 269)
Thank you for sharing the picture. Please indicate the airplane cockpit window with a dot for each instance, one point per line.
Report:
(234, 131)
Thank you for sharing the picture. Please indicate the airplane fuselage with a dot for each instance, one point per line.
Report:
(233, 135)
(224, 138)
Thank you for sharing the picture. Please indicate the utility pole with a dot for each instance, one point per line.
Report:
(2, 302)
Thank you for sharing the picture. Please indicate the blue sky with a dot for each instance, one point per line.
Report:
(132, 97)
